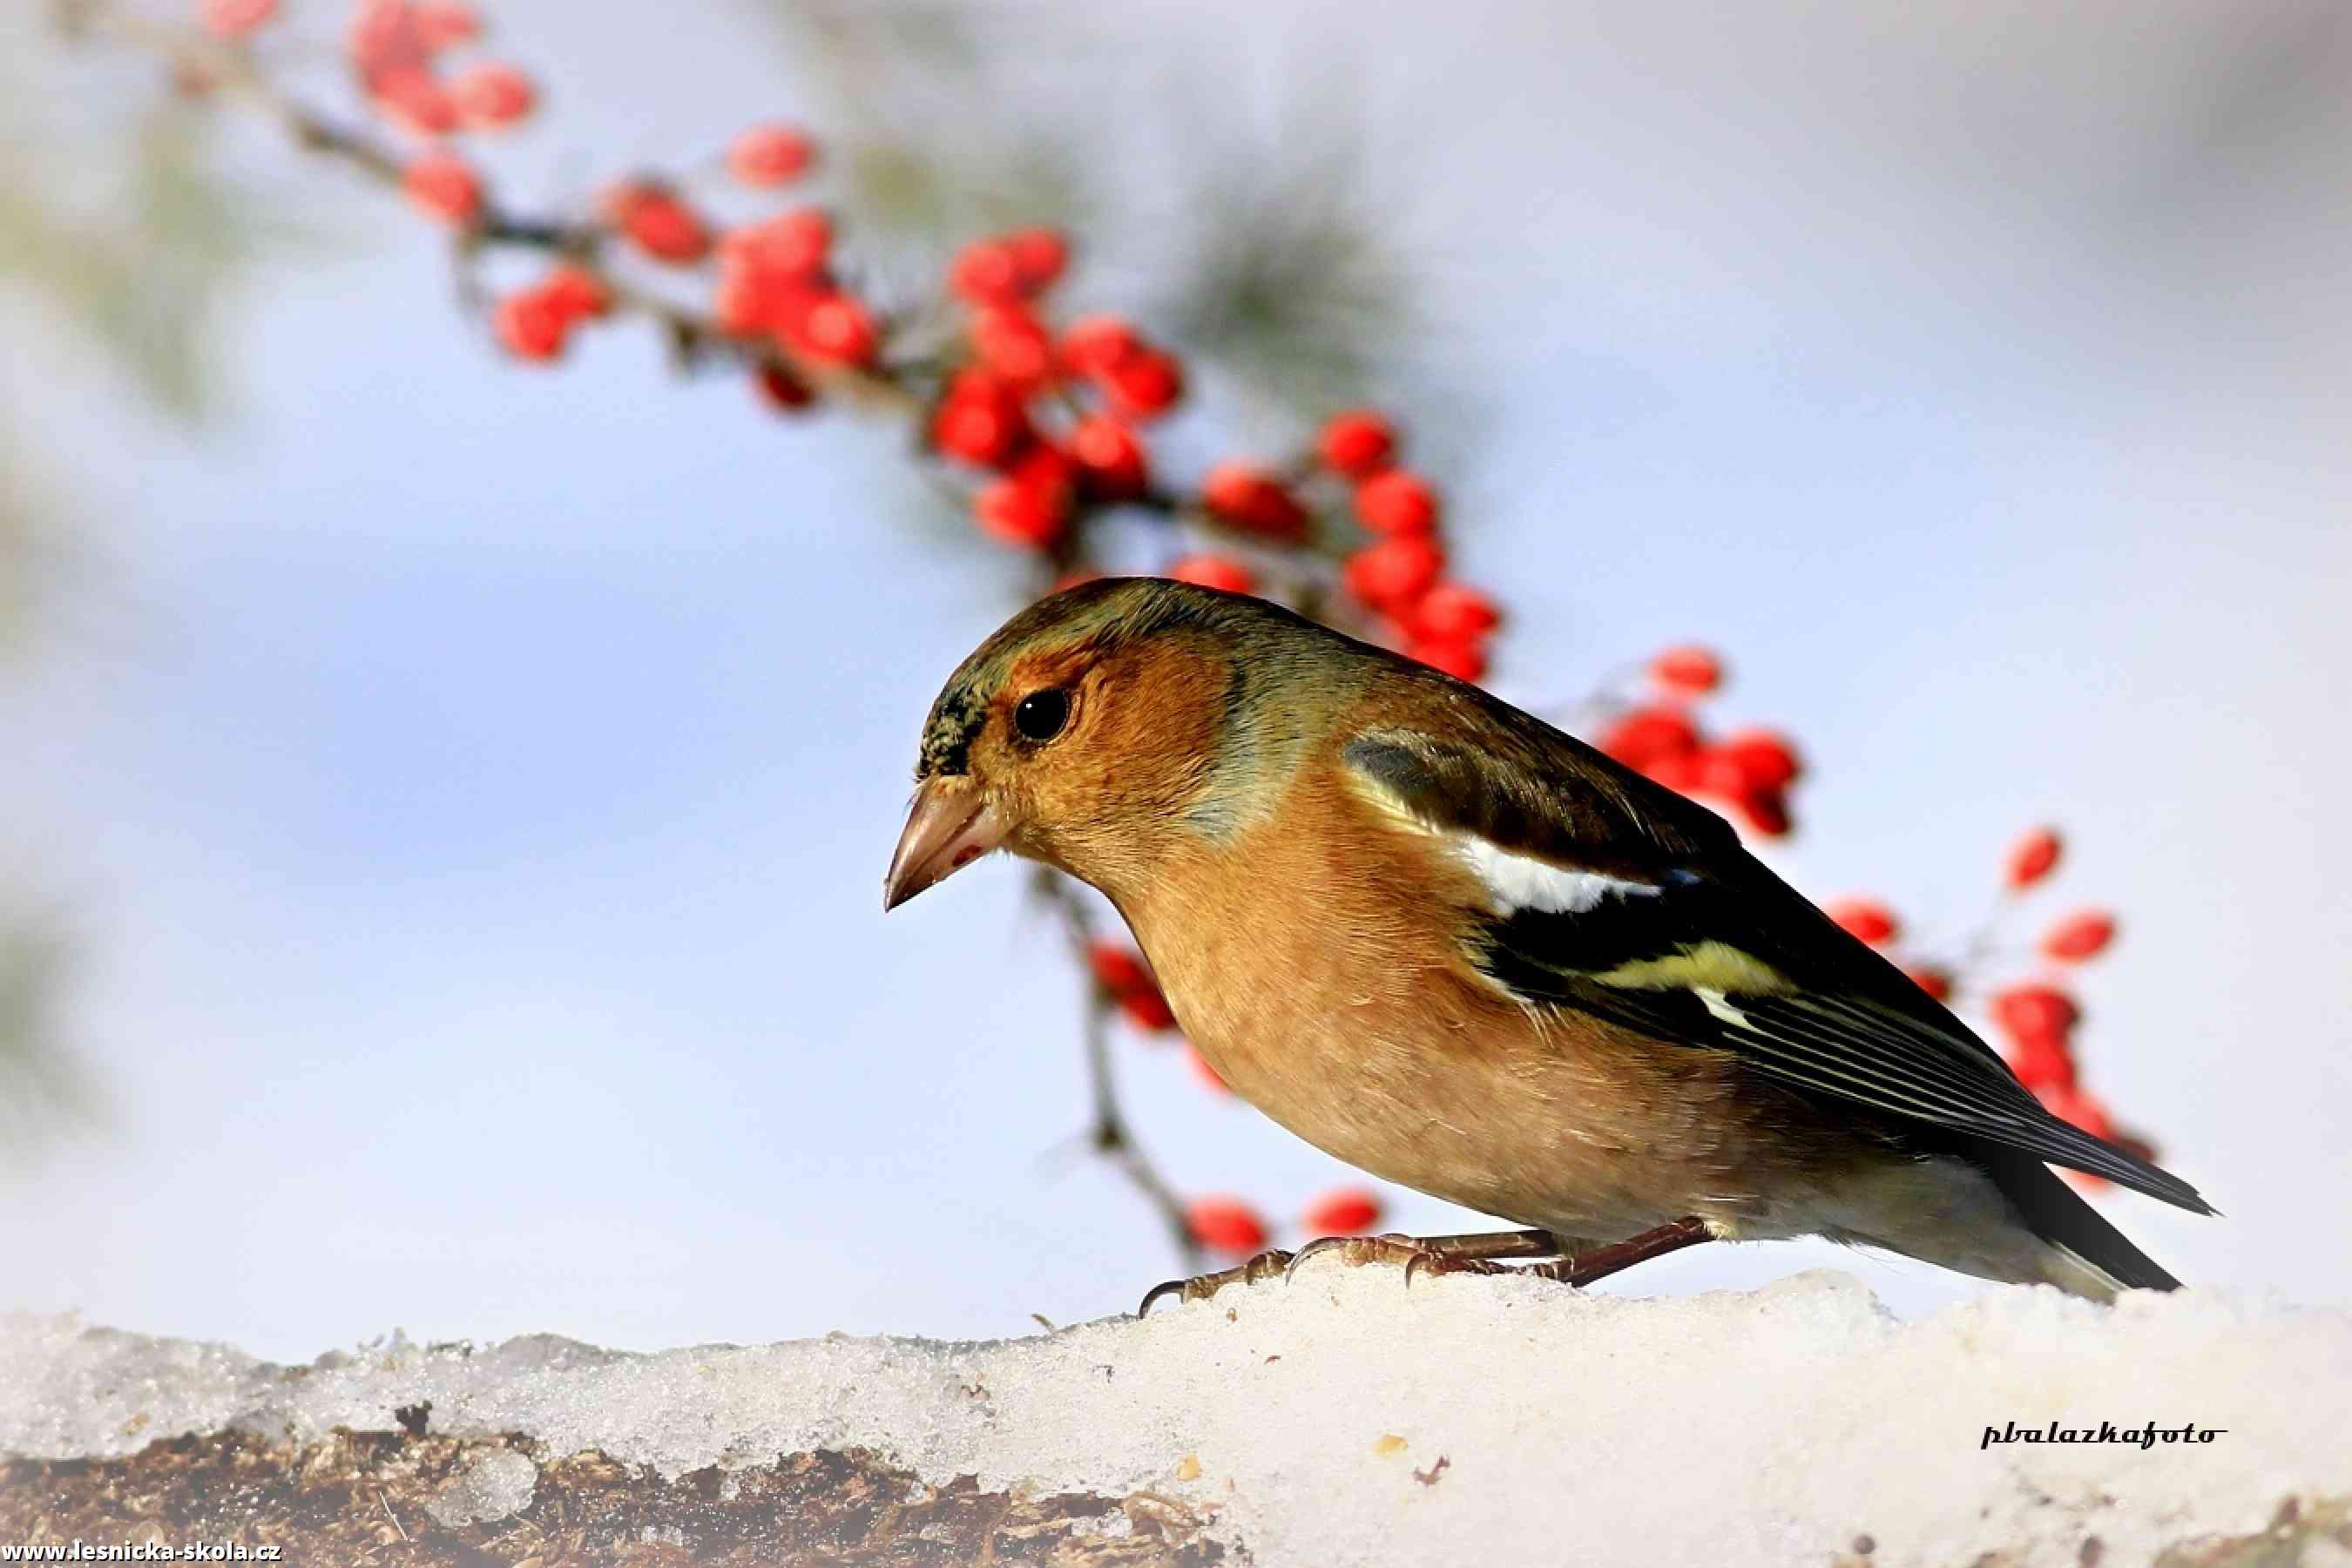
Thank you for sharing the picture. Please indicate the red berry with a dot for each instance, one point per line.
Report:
(791, 244)
(443, 186)
(445, 24)
(1110, 458)
(492, 95)
(1683, 771)
(1144, 384)
(1396, 503)
(782, 390)
(1121, 972)
(1118, 967)
(657, 223)
(1357, 443)
(2080, 936)
(1936, 981)
(532, 324)
(985, 272)
(981, 420)
(1095, 344)
(576, 292)
(1249, 498)
(2041, 1063)
(1394, 573)
(383, 33)
(1342, 1211)
(1008, 267)
(770, 155)
(1461, 661)
(746, 304)
(667, 231)
(1721, 774)
(1225, 1225)
(1039, 255)
(235, 18)
(1766, 761)
(836, 328)
(1148, 1010)
(1642, 736)
(411, 95)
(1011, 341)
(1687, 671)
(2027, 1013)
(2032, 858)
(1866, 919)
(1048, 467)
(1766, 812)
(1451, 611)
(1031, 505)
(1214, 571)
(1017, 514)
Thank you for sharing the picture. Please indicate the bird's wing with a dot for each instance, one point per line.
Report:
(1612, 896)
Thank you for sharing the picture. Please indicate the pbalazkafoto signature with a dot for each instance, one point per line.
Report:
(2146, 1437)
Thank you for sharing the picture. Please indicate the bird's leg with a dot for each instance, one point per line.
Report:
(1200, 1287)
(1582, 1268)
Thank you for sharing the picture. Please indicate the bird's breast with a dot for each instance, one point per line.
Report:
(1330, 988)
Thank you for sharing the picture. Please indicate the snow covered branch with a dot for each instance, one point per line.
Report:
(1342, 1419)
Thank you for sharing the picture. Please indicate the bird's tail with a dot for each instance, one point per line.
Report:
(2084, 1254)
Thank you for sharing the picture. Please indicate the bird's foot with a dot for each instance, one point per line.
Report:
(1571, 1261)
(1478, 1254)
(1200, 1287)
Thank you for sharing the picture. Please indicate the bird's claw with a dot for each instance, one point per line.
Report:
(1200, 1287)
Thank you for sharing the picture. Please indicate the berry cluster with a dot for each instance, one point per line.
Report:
(1055, 419)
(2033, 1014)
(1051, 421)
(1058, 419)
(1352, 499)
(1749, 771)
(1051, 417)
(400, 52)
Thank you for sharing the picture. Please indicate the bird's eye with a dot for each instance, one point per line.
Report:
(1041, 715)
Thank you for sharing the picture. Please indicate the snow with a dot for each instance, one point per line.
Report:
(498, 1485)
(1312, 1418)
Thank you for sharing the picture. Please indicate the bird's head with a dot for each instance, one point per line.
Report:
(1091, 730)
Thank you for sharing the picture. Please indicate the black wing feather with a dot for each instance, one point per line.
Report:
(1847, 1023)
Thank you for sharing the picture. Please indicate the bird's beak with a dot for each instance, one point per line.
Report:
(951, 826)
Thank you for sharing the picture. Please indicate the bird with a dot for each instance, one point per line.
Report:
(1458, 948)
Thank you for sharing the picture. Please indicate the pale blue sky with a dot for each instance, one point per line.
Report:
(471, 784)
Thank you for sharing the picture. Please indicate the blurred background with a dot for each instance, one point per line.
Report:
(444, 800)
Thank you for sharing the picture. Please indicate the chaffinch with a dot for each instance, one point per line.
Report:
(1431, 934)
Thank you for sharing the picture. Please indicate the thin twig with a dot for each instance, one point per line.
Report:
(1107, 1133)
